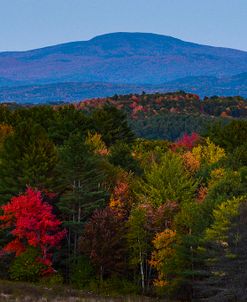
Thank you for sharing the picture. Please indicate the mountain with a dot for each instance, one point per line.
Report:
(122, 58)
(77, 91)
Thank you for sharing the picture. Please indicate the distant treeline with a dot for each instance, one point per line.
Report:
(166, 116)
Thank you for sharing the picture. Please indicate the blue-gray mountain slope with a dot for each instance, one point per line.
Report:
(126, 58)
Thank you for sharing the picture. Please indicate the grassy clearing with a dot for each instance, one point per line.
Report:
(26, 292)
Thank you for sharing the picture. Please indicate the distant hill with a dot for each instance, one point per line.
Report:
(209, 86)
(142, 106)
(77, 91)
(125, 58)
(169, 115)
(164, 115)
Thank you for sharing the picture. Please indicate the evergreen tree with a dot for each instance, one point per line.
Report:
(68, 120)
(120, 155)
(112, 124)
(229, 136)
(189, 225)
(42, 115)
(27, 158)
(80, 184)
(225, 254)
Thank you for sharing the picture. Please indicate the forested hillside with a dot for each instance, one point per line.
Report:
(170, 115)
(136, 194)
(165, 115)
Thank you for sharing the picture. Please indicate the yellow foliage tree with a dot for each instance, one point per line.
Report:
(209, 153)
(216, 175)
(96, 143)
(191, 162)
(164, 251)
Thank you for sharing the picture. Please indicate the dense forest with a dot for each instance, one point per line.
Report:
(166, 116)
(136, 194)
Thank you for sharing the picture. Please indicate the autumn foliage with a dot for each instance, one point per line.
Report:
(33, 225)
(164, 251)
(142, 215)
(186, 141)
(102, 242)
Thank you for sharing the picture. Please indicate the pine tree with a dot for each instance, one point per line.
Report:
(112, 124)
(27, 158)
(68, 120)
(80, 184)
(224, 247)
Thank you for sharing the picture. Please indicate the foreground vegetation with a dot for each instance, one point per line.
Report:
(86, 203)
(18, 292)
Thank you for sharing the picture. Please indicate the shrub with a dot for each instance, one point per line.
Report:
(52, 280)
(26, 267)
(82, 272)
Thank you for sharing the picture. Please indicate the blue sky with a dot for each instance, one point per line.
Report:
(28, 24)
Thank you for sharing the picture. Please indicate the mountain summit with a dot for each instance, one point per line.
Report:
(133, 58)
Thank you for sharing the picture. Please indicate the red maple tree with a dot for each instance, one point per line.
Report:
(186, 142)
(32, 223)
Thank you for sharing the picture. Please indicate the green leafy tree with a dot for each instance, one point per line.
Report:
(26, 267)
(167, 180)
(175, 255)
(232, 184)
(144, 222)
(139, 244)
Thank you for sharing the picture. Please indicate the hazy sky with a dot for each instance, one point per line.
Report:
(27, 24)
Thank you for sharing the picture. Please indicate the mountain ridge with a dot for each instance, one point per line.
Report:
(99, 37)
(125, 58)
